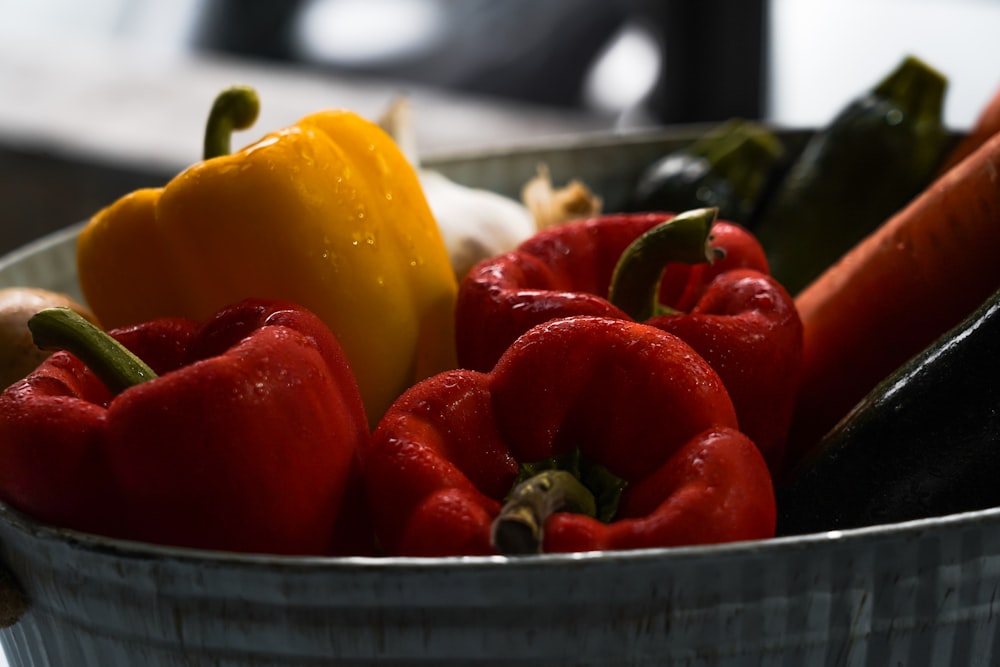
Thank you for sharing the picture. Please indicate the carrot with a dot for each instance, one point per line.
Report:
(985, 126)
(908, 282)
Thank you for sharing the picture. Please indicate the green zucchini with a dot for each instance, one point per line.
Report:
(727, 168)
(924, 442)
(875, 155)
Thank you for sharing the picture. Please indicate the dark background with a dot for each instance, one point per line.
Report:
(82, 123)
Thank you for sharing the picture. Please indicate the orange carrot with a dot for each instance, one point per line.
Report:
(899, 289)
(986, 125)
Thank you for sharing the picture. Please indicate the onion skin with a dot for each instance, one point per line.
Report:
(18, 353)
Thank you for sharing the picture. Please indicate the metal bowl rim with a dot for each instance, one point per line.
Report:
(143, 550)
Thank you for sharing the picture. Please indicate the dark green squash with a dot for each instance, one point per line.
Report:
(925, 442)
(728, 168)
(879, 152)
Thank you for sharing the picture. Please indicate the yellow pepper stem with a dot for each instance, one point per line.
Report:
(235, 108)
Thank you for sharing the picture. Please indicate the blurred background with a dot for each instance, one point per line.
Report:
(102, 96)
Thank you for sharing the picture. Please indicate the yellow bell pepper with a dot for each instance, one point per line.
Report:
(326, 213)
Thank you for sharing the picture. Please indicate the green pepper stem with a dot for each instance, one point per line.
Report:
(518, 529)
(235, 108)
(635, 283)
(62, 328)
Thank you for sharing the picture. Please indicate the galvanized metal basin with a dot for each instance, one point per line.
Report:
(919, 593)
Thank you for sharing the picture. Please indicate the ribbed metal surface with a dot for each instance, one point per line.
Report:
(915, 594)
(922, 593)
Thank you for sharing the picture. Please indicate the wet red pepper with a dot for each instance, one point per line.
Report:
(729, 309)
(242, 434)
(624, 437)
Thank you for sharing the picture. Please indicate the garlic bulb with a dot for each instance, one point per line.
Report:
(475, 223)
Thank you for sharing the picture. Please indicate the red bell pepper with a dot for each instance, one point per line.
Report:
(242, 434)
(705, 280)
(620, 420)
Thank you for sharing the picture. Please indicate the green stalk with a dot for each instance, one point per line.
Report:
(635, 283)
(235, 108)
(745, 158)
(65, 329)
(918, 91)
(518, 529)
